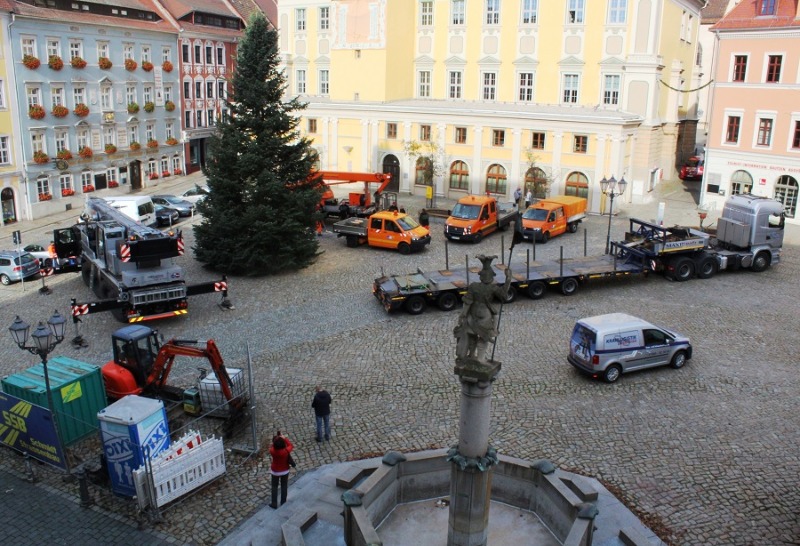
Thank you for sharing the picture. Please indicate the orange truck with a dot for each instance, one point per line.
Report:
(358, 203)
(385, 229)
(553, 216)
(476, 216)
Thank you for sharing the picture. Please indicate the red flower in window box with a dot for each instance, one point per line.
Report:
(77, 62)
(169, 106)
(172, 141)
(104, 63)
(85, 152)
(60, 111)
(153, 176)
(130, 65)
(40, 157)
(177, 172)
(147, 66)
(110, 149)
(66, 192)
(55, 62)
(165, 174)
(149, 106)
(45, 196)
(36, 112)
(81, 110)
(152, 143)
(64, 154)
(166, 66)
(31, 62)
(113, 184)
(88, 188)
(135, 146)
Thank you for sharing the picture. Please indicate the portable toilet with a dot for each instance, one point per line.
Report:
(131, 429)
(77, 391)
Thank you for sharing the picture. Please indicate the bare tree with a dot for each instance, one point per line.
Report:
(429, 163)
(536, 178)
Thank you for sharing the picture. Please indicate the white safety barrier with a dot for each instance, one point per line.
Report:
(188, 464)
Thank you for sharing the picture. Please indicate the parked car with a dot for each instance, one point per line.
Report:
(693, 169)
(609, 345)
(195, 194)
(166, 216)
(16, 265)
(61, 265)
(184, 207)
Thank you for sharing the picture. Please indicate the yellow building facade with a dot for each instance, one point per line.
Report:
(551, 95)
(12, 202)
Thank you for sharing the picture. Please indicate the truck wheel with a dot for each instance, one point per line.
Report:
(447, 301)
(511, 293)
(760, 262)
(569, 286)
(678, 360)
(415, 305)
(404, 249)
(682, 269)
(612, 373)
(545, 237)
(536, 290)
(573, 227)
(352, 241)
(707, 267)
(478, 237)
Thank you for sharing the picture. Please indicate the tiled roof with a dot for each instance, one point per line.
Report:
(210, 31)
(744, 16)
(69, 16)
(180, 8)
(714, 11)
(247, 7)
(6, 5)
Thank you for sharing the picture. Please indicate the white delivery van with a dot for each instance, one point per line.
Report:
(136, 207)
(609, 345)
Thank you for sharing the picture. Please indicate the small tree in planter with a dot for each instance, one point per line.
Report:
(77, 62)
(169, 106)
(147, 66)
(60, 111)
(36, 112)
(40, 157)
(31, 62)
(166, 66)
(104, 63)
(135, 145)
(111, 149)
(55, 62)
(149, 106)
(133, 108)
(81, 110)
(130, 65)
(85, 152)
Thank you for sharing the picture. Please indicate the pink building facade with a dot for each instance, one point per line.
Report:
(754, 134)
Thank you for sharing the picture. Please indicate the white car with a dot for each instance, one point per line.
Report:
(195, 194)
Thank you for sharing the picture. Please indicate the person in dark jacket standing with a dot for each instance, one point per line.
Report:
(322, 410)
(279, 451)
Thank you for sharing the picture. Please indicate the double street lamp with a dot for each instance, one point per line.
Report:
(45, 339)
(611, 188)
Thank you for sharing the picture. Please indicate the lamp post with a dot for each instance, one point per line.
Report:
(45, 339)
(611, 188)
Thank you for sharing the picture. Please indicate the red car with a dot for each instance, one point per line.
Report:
(693, 169)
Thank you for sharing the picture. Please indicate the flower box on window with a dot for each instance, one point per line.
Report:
(45, 196)
(133, 108)
(77, 62)
(110, 149)
(169, 106)
(66, 192)
(130, 65)
(85, 152)
(64, 154)
(153, 176)
(165, 174)
(104, 63)
(166, 66)
(147, 66)
(152, 143)
(172, 141)
(40, 157)
(88, 188)
(36, 112)
(113, 184)
(81, 110)
(135, 146)
(31, 62)
(149, 106)
(177, 172)
(60, 111)
(55, 62)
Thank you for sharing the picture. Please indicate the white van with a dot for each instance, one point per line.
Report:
(609, 345)
(137, 207)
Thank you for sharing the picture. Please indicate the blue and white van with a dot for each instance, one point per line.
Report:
(609, 345)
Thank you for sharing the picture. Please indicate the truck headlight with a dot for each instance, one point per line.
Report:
(467, 230)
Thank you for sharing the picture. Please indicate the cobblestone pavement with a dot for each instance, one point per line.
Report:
(710, 452)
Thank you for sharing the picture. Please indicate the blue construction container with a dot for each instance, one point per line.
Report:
(132, 429)
(77, 390)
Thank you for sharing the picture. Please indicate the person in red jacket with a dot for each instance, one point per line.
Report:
(279, 451)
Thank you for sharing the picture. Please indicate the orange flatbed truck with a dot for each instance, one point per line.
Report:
(476, 216)
(553, 216)
(385, 229)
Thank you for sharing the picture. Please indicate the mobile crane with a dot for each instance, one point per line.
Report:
(129, 266)
(141, 366)
(358, 203)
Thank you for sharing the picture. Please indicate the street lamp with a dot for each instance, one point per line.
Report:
(611, 188)
(45, 339)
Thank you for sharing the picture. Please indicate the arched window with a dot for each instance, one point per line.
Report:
(459, 176)
(424, 174)
(536, 181)
(577, 185)
(786, 193)
(496, 179)
(741, 182)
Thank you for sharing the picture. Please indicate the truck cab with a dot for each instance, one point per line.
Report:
(551, 217)
(476, 216)
(386, 229)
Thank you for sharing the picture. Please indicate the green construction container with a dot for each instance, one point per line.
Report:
(77, 389)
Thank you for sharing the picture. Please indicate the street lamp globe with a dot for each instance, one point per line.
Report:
(57, 324)
(41, 338)
(19, 331)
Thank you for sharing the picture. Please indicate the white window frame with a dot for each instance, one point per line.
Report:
(773, 117)
(424, 84)
(81, 139)
(86, 179)
(455, 82)
(33, 94)
(5, 147)
(617, 12)
(529, 12)
(106, 97)
(43, 184)
(611, 92)
(150, 131)
(109, 135)
(61, 139)
(489, 86)
(570, 83)
(78, 95)
(133, 133)
(103, 49)
(75, 49)
(166, 54)
(147, 93)
(146, 54)
(53, 47)
(576, 12)
(65, 181)
(300, 81)
(300, 19)
(28, 46)
(127, 51)
(38, 143)
(426, 13)
(170, 129)
(526, 86)
(458, 13)
(324, 18)
(491, 12)
(324, 82)
(130, 94)
(57, 95)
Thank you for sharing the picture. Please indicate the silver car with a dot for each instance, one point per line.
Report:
(16, 265)
(609, 345)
